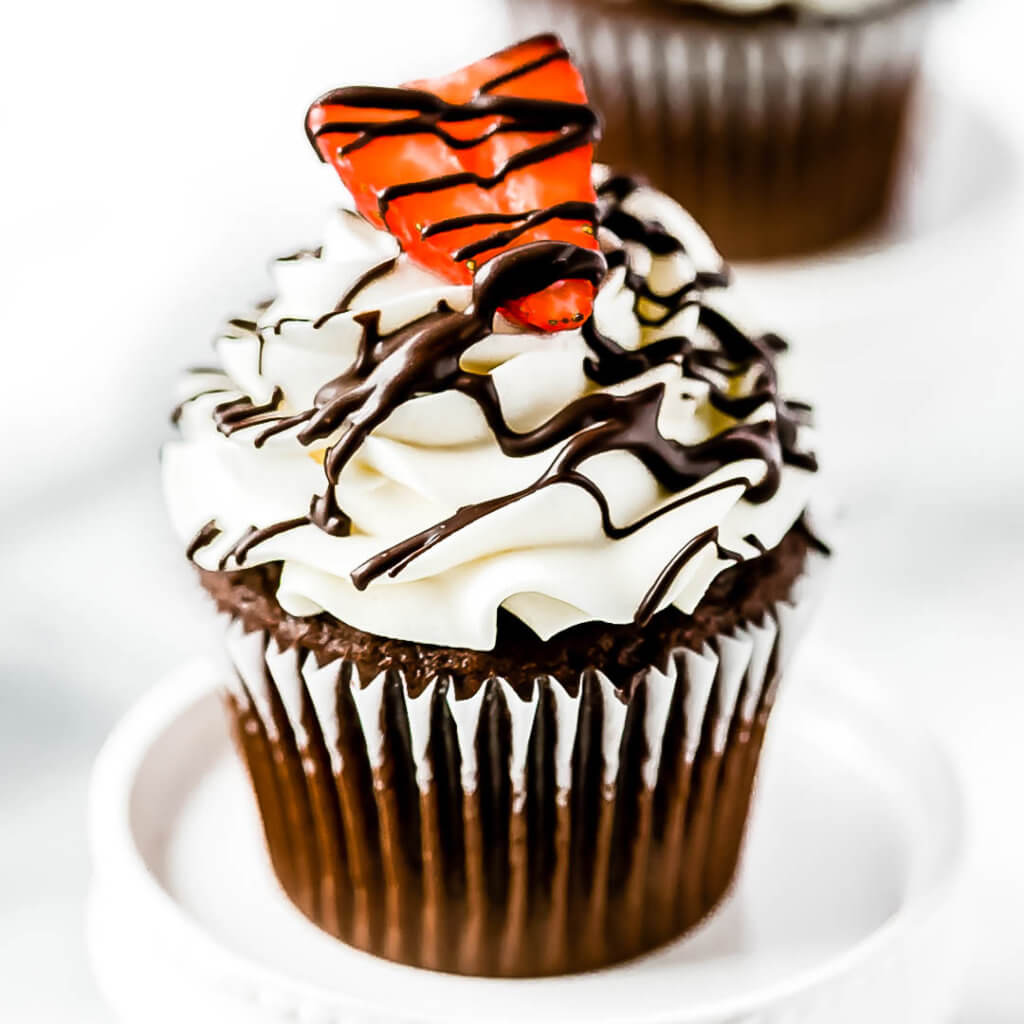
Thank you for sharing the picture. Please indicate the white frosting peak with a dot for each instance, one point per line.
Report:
(546, 557)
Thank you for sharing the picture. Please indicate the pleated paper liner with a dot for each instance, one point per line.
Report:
(780, 138)
(503, 834)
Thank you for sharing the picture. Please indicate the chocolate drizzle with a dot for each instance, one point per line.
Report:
(425, 357)
(571, 210)
(247, 330)
(375, 272)
(240, 413)
(204, 537)
(257, 535)
(754, 541)
(659, 590)
(177, 411)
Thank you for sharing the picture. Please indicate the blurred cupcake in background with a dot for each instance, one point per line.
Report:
(780, 126)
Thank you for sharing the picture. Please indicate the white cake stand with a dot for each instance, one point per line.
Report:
(847, 908)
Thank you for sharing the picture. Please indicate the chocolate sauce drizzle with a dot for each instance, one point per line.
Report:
(424, 356)
(651, 602)
(179, 409)
(246, 330)
(241, 413)
(204, 537)
(570, 210)
(375, 272)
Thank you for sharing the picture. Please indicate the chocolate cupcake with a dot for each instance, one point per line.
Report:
(780, 125)
(505, 513)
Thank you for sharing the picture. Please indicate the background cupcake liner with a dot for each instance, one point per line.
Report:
(511, 832)
(780, 137)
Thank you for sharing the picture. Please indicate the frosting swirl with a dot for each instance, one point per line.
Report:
(525, 478)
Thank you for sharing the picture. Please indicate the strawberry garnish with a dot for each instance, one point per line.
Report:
(464, 167)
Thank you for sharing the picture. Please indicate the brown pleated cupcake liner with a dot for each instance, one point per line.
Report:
(781, 138)
(505, 835)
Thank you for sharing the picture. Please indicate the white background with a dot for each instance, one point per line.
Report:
(153, 160)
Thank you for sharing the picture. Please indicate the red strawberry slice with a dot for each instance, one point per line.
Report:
(464, 167)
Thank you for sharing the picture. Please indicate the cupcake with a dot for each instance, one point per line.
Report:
(505, 515)
(780, 125)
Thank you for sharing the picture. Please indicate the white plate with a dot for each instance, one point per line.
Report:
(845, 909)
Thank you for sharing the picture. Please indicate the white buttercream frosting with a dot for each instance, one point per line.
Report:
(545, 558)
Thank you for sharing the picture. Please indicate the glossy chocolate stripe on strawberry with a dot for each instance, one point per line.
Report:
(570, 210)
(531, 95)
(549, 39)
(521, 114)
(575, 125)
(472, 220)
